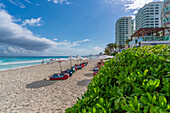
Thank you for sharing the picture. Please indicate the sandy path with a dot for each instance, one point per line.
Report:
(25, 91)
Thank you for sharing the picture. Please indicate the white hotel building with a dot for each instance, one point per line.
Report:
(124, 29)
(149, 16)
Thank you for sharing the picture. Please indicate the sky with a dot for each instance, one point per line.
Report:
(61, 27)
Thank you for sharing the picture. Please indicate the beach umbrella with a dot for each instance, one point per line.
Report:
(78, 57)
(70, 59)
(101, 57)
(60, 60)
(86, 58)
(81, 58)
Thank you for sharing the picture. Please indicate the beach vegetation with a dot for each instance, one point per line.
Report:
(137, 80)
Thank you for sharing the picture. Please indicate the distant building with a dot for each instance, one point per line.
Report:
(149, 16)
(123, 30)
(166, 16)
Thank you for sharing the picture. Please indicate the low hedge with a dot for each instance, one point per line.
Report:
(136, 81)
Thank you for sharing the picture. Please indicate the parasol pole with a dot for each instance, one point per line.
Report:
(60, 66)
(70, 63)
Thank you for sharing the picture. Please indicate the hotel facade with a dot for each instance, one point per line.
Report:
(123, 30)
(152, 22)
(149, 16)
(166, 16)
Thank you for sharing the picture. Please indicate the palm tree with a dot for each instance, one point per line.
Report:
(115, 46)
(120, 46)
(107, 52)
(110, 47)
(127, 41)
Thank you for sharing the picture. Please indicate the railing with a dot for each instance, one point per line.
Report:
(150, 38)
(153, 38)
(166, 20)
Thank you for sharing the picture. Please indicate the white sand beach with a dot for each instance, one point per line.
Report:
(25, 90)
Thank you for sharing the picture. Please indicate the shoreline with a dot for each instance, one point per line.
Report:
(25, 90)
(21, 67)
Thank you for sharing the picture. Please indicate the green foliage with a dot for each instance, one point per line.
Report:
(110, 48)
(136, 81)
(127, 41)
(114, 54)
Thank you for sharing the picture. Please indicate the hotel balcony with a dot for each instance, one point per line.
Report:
(167, 10)
(166, 1)
(166, 21)
(150, 40)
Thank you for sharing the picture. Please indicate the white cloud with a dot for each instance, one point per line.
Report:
(2, 5)
(136, 4)
(32, 22)
(28, 1)
(131, 4)
(97, 49)
(16, 35)
(59, 1)
(55, 39)
(72, 51)
(6, 49)
(68, 3)
(69, 44)
(85, 40)
(18, 40)
(17, 3)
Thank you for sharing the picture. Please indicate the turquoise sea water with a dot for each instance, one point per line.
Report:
(7, 63)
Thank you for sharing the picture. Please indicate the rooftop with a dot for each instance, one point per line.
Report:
(146, 31)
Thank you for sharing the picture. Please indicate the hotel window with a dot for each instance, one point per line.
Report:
(156, 7)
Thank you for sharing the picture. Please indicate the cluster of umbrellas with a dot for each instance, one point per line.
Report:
(79, 58)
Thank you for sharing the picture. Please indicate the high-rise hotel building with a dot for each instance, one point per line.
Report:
(123, 30)
(149, 16)
(166, 16)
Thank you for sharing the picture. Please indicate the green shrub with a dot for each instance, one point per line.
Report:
(115, 53)
(136, 81)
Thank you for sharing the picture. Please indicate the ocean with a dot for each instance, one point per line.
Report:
(7, 63)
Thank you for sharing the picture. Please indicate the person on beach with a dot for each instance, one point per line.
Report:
(42, 61)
